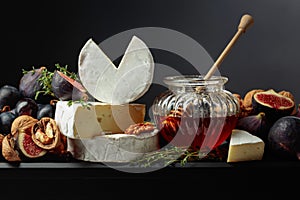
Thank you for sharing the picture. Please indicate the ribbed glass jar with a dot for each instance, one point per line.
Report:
(194, 112)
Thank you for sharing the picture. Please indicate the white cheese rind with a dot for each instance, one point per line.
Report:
(75, 121)
(244, 146)
(116, 85)
(118, 148)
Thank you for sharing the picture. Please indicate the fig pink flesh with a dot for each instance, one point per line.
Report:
(274, 101)
(72, 81)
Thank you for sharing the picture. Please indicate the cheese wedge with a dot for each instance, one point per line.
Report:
(244, 146)
(76, 121)
(116, 85)
(117, 148)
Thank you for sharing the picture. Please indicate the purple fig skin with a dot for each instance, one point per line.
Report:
(29, 84)
(255, 124)
(65, 88)
(297, 114)
(284, 138)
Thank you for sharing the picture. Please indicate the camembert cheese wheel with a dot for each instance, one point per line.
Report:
(77, 121)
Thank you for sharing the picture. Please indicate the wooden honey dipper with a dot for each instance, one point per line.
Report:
(245, 22)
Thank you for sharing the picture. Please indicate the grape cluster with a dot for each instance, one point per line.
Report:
(13, 104)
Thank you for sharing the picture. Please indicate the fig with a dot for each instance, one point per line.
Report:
(297, 112)
(66, 88)
(9, 151)
(255, 124)
(284, 137)
(9, 96)
(29, 83)
(28, 148)
(24, 122)
(273, 104)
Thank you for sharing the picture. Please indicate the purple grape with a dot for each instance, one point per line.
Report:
(27, 106)
(9, 96)
(6, 119)
(45, 110)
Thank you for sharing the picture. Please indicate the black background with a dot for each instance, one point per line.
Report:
(267, 56)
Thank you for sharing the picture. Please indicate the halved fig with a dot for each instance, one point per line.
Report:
(273, 104)
(45, 133)
(28, 147)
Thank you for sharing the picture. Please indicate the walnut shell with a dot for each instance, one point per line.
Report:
(41, 128)
(24, 122)
(247, 101)
(8, 149)
(287, 94)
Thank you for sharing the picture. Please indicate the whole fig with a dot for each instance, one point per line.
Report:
(284, 137)
(297, 112)
(32, 85)
(255, 124)
(29, 83)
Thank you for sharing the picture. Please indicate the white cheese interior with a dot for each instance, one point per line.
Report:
(244, 146)
(76, 121)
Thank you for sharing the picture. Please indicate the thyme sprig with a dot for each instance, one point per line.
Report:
(172, 155)
(45, 82)
(65, 71)
(83, 103)
(168, 156)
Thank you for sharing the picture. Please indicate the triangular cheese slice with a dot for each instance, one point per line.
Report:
(244, 146)
(116, 85)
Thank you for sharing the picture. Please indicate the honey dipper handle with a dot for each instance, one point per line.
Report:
(245, 22)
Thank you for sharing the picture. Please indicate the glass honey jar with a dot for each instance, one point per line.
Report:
(195, 113)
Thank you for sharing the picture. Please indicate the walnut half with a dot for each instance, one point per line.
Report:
(136, 129)
(45, 133)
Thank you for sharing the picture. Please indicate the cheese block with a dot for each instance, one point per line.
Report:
(116, 85)
(77, 121)
(244, 146)
(117, 148)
